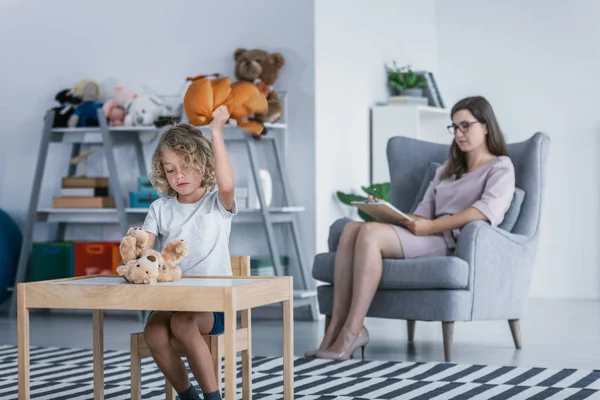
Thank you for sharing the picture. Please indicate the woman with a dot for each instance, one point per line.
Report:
(476, 183)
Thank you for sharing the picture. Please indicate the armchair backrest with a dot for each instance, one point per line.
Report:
(408, 159)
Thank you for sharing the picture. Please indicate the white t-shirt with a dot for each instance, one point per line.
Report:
(205, 226)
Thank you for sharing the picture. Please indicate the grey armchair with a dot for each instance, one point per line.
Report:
(487, 278)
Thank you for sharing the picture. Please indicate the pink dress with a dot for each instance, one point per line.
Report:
(489, 188)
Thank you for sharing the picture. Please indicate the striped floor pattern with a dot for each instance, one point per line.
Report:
(67, 374)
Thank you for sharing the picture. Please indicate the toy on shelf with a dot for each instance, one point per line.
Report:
(148, 266)
(86, 113)
(68, 102)
(115, 108)
(243, 100)
(261, 68)
(146, 110)
(80, 159)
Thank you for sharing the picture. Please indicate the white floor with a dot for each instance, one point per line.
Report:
(556, 334)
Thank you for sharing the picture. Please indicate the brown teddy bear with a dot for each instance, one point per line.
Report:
(261, 68)
(147, 266)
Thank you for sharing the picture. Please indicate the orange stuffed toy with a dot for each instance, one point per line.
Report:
(243, 100)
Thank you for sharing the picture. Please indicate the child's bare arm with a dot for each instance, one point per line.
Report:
(223, 168)
(150, 242)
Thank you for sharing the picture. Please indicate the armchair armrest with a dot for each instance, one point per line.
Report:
(335, 232)
(500, 269)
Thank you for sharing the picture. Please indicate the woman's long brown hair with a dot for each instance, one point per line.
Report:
(483, 112)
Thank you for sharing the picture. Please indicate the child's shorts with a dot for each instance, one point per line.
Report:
(218, 327)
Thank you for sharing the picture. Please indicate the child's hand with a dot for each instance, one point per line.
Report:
(220, 117)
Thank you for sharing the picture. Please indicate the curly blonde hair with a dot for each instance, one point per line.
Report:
(188, 141)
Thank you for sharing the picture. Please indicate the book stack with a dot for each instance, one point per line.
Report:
(83, 192)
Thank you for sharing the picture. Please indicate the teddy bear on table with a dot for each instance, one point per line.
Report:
(147, 266)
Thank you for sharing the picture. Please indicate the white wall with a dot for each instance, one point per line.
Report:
(351, 48)
(538, 65)
(48, 46)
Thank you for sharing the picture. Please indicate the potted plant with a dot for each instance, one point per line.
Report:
(380, 190)
(404, 81)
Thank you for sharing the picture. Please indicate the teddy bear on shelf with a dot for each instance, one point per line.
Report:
(86, 113)
(243, 100)
(115, 108)
(148, 266)
(261, 68)
(145, 110)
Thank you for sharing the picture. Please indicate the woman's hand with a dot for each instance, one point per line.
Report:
(419, 226)
(220, 117)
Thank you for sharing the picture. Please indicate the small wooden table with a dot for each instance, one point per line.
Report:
(227, 294)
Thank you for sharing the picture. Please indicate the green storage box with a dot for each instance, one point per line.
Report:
(262, 266)
(52, 260)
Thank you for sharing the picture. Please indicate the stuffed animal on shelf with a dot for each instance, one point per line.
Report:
(261, 68)
(115, 108)
(63, 112)
(86, 113)
(243, 100)
(148, 266)
(146, 110)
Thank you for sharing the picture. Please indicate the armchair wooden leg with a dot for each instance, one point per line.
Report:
(515, 330)
(410, 325)
(136, 369)
(448, 333)
(169, 391)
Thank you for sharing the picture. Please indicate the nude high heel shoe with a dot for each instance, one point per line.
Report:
(311, 354)
(361, 341)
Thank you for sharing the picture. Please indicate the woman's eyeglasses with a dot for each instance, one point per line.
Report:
(463, 127)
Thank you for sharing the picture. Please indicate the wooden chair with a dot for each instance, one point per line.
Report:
(240, 266)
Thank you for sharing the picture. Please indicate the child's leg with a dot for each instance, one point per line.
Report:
(157, 336)
(188, 328)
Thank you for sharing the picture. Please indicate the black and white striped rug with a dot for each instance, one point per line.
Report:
(67, 374)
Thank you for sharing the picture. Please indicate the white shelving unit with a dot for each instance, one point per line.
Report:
(416, 121)
(125, 217)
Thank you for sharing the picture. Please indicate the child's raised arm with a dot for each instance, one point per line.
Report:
(223, 168)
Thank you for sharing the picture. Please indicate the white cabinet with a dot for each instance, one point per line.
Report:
(416, 121)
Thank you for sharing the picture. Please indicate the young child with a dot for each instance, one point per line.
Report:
(186, 167)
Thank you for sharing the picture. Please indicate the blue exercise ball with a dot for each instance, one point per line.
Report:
(11, 239)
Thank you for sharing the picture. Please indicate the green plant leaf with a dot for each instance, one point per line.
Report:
(412, 80)
(383, 190)
(349, 198)
(397, 86)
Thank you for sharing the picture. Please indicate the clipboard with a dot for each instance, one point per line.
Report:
(382, 211)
